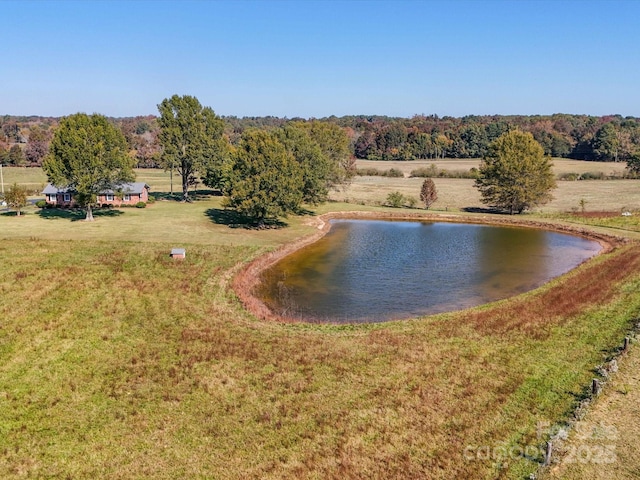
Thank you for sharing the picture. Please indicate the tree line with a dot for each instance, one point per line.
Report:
(24, 141)
(580, 137)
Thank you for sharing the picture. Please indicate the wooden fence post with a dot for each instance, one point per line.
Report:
(595, 387)
(547, 455)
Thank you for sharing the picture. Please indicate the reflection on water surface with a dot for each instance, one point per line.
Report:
(377, 270)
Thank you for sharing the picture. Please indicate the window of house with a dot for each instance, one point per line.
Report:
(67, 197)
(126, 197)
(109, 197)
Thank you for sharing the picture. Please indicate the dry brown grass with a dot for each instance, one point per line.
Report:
(594, 284)
(560, 165)
(456, 194)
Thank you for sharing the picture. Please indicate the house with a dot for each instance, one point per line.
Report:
(126, 194)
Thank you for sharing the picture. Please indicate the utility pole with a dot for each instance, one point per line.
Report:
(1, 179)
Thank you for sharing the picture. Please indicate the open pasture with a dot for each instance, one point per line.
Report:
(116, 361)
(560, 165)
(455, 194)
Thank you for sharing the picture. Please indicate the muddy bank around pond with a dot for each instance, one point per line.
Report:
(248, 278)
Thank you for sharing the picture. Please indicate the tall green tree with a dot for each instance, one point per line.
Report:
(334, 143)
(16, 198)
(633, 163)
(191, 137)
(606, 142)
(89, 155)
(515, 175)
(265, 181)
(318, 170)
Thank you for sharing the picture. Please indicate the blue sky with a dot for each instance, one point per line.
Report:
(321, 58)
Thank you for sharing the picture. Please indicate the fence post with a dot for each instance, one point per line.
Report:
(547, 455)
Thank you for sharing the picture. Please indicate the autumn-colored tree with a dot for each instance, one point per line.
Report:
(37, 146)
(11, 130)
(515, 174)
(16, 156)
(428, 193)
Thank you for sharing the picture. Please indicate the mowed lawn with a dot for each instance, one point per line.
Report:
(118, 362)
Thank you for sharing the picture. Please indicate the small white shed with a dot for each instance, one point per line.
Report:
(178, 253)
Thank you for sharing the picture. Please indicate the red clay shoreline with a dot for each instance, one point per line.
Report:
(247, 278)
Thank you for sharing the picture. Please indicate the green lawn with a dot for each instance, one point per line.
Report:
(118, 362)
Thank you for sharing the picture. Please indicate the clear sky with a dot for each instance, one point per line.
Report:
(319, 58)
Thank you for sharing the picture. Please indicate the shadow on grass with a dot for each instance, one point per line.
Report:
(493, 211)
(233, 219)
(305, 211)
(76, 215)
(193, 195)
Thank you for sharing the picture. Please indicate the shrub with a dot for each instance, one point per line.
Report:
(141, 205)
(151, 199)
(569, 176)
(593, 176)
(394, 172)
(430, 171)
(395, 200)
(433, 171)
(374, 172)
(367, 172)
(41, 204)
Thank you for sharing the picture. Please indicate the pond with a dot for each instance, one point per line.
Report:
(379, 270)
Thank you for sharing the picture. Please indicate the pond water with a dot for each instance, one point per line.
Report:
(378, 270)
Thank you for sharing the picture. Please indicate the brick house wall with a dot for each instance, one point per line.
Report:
(63, 198)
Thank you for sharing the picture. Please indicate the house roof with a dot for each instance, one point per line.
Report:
(51, 190)
(134, 187)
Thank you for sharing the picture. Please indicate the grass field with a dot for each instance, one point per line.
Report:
(560, 165)
(117, 362)
(455, 194)
(604, 446)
